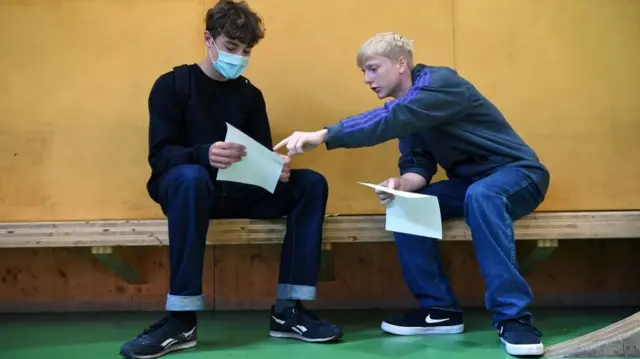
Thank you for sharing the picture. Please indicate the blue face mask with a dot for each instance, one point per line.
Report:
(229, 65)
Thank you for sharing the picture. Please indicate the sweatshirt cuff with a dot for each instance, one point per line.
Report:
(419, 171)
(334, 136)
(201, 154)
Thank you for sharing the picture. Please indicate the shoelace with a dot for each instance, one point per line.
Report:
(155, 326)
(520, 326)
(306, 316)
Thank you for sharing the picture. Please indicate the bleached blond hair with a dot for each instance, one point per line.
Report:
(387, 44)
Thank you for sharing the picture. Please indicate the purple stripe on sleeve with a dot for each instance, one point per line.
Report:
(367, 119)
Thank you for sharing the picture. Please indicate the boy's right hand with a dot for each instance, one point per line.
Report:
(409, 182)
(392, 183)
(223, 154)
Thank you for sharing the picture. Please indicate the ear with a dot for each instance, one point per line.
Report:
(403, 64)
(207, 38)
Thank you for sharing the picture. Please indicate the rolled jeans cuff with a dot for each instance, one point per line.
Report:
(185, 303)
(296, 292)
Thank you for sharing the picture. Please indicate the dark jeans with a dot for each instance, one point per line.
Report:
(190, 199)
(490, 206)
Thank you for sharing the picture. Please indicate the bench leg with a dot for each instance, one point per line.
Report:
(326, 264)
(542, 251)
(116, 264)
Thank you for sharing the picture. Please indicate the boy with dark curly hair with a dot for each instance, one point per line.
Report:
(189, 108)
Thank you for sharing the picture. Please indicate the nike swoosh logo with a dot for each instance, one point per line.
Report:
(434, 321)
(279, 321)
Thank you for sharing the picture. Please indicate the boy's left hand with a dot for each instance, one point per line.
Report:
(286, 169)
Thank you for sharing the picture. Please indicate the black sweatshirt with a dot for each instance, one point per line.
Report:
(181, 133)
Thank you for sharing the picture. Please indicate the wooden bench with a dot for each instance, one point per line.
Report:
(104, 237)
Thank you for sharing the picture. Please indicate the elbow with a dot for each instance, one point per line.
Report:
(426, 174)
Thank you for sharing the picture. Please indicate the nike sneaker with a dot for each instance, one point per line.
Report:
(520, 338)
(424, 321)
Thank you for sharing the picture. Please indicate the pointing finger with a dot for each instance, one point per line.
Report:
(291, 146)
(281, 144)
(300, 146)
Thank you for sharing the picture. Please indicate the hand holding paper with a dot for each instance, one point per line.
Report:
(286, 170)
(394, 183)
(223, 154)
(259, 167)
(412, 213)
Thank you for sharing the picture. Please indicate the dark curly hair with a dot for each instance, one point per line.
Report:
(235, 20)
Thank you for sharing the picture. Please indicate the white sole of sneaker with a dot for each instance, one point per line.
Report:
(394, 329)
(524, 349)
(170, 349)
(283, 335)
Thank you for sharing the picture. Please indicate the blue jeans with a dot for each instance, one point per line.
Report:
(189, 199)
(489, 206)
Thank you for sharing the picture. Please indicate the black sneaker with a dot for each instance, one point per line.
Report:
(520, 338)
(300, 323)
(165, 336)
(424, 321)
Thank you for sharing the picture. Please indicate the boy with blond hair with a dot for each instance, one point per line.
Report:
(494, 178)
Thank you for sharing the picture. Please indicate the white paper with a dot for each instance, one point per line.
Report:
(260, 167)
(412, 213)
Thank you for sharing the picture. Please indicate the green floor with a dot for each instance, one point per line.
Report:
(244, 335)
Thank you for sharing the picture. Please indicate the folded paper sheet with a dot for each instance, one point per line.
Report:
(260, 167)
(412, 213)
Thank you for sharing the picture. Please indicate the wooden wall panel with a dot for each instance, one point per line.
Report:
(566, 75)
(73, 129)
(73, 102)
(579, 273)
(366, 275)
(72, 280)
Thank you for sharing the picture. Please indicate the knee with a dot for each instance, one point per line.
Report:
(189, 175)
(184, 183)
(310, 180)
(478, 196)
